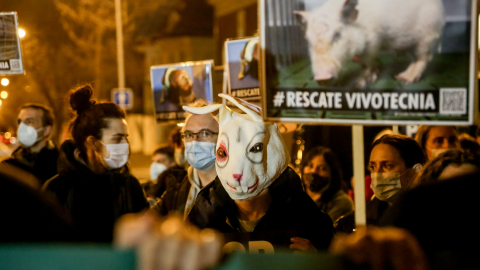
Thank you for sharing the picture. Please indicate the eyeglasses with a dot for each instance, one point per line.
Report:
(202, 135)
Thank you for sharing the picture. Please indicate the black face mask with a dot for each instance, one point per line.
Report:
(315, 182)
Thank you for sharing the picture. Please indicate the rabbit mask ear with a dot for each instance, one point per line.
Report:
(251, 155)
(250, 109)
(208, 109)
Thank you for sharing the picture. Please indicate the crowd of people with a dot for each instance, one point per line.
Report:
(77, 192)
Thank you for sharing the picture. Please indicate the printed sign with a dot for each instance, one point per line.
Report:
(242, 57)
(10, 52)
(258, 242)
(330, 61)
(179, 84)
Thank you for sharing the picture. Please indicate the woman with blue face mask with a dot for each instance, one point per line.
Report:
(94, 184)
(395, 161)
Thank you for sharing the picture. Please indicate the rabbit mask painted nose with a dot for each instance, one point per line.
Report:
(250, 154)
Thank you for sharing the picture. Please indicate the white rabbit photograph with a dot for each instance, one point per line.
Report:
(386, 61)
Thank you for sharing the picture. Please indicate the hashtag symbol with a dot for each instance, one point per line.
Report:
(278, 99)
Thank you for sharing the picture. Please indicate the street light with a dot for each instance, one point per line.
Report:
(4, 94)
(5, 81)
(21, 32)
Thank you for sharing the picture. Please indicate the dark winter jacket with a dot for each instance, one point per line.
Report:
(375, 209)
(28, 217)
(291, 209)
(171, 176)
(94, 202)
(174, 198)
(43, 165)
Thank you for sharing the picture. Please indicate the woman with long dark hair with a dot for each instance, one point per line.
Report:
(322, 180)
(94, 184)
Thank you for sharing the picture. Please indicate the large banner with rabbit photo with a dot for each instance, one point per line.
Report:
(175, 85)
(368, 61)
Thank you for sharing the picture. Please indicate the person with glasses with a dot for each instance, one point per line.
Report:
(199, 135)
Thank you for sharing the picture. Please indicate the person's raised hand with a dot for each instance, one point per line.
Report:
(167, 244)
(301, 245)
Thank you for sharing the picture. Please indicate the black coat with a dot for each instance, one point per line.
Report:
(291, 209)
(29, 217)
(441, 217)
(43, 165)
(171, 176)
(174, 198)
(94, 202)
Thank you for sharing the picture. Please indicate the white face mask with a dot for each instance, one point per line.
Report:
(156, 169)
(437, 152)
(117, 155)
(200, 155)
(28, 135)
(385, 185)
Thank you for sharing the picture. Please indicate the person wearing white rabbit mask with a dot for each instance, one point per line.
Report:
(255, 190)
(199, 135)
(37, 154)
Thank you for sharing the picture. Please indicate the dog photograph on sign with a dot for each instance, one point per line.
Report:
(242, 57)
(384, 60)
(176, 85)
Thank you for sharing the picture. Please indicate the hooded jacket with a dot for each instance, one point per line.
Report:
(93, 201)
(291, 209)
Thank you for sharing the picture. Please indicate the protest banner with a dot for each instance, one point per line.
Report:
(379, 62)
(176, 85)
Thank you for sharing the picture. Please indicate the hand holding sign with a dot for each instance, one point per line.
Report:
(302, 244)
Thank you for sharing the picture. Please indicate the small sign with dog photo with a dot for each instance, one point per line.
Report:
(176, 85)
(242, 58)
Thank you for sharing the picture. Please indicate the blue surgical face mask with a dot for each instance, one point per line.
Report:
(200, 155)
(156, 169)
(385, 185)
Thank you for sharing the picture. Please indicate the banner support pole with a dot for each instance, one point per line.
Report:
(359, 175)
(395, 129)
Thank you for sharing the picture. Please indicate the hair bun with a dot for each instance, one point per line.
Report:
(80, 98)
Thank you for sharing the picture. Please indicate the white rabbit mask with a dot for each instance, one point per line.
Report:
(250, 153)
